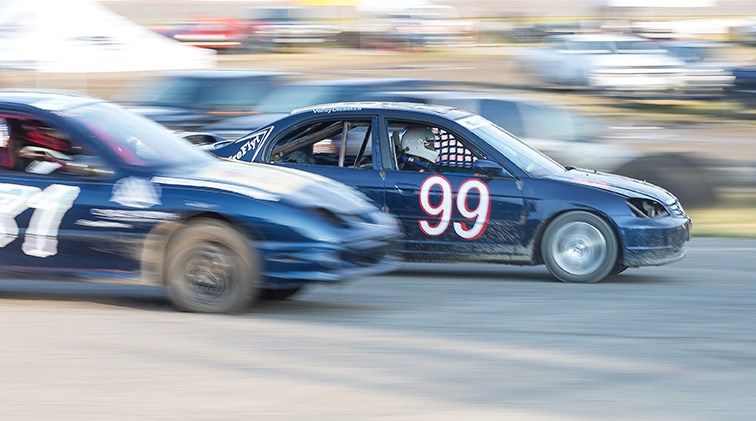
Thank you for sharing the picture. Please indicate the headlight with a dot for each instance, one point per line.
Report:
(647, 208)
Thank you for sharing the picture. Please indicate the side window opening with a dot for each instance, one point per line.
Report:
(424, 148)
(35, 147)
(321, 144)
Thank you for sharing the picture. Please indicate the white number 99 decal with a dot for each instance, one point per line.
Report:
(444, 208)
(479, 214)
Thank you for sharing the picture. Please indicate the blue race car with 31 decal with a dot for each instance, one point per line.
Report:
(466, 190)
(89, 189)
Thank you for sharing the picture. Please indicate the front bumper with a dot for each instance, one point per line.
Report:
(290, 264)
(653, 242)
(636, 81)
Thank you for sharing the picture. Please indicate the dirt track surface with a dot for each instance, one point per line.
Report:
(432, 342)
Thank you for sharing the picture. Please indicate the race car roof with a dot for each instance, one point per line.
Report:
(353, 107)
(44, 99)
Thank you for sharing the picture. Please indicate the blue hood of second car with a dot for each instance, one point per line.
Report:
(625, 186)
(273, 183)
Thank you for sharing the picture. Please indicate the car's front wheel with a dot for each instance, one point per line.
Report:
(579, 247)
(210, 268)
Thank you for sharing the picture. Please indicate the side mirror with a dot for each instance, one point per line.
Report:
(489, 168)
(201, 139)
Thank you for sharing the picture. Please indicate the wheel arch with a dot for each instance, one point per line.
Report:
(541, 229)
(156, 243)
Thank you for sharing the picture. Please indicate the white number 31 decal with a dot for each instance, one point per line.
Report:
(444, 208)
(49, 206)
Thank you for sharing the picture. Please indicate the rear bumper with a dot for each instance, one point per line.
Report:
(654, 242)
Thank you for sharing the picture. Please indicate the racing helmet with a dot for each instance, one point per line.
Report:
(418, 142)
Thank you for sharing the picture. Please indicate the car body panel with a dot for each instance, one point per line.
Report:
(117, 223)
(521, 201)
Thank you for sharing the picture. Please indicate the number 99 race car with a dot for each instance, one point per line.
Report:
(89, 189)
(466, 190)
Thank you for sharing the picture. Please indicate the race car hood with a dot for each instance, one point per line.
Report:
(272, 183)
(625, 186)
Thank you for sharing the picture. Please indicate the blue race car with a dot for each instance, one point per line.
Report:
(89, 189)
(466, 190)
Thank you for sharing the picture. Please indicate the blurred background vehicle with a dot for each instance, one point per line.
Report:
(290, 96)
(744, 85)
(576, 140)
(220, 34)
(416, 25)
(606, 62)
(187, 100)
(706, 70)
(744, 34)
(274, 28)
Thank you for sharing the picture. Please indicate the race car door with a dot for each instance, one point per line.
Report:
(43, 201)
(447, 209)
(318, 147)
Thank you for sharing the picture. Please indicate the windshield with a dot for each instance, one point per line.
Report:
(526, 158)
(287, 98)
(134, 139)
(164, 92)
(590, 46)
(637, 47)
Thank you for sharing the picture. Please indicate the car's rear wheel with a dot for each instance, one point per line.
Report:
(210, 268)
(269, 294)
(579, 247)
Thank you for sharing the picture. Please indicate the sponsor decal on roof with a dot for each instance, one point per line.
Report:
(337, 109)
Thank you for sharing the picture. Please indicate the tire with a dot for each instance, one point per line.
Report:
(211, 268)
(579, 247)
(268, 294)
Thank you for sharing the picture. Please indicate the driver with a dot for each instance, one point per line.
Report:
(38, 134)
(38, 143)
(417, 150)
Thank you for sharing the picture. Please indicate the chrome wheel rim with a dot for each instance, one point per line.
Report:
(579, 248)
